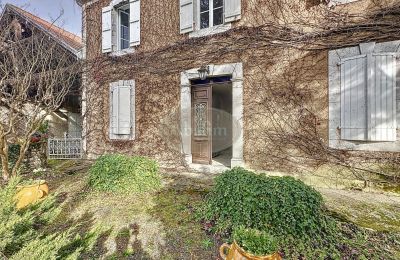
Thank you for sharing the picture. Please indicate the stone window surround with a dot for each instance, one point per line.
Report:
(236, 71)
(210, 30)
(334, 3)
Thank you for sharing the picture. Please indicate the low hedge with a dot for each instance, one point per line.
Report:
(120, 173)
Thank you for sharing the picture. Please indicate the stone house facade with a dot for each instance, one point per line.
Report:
(186, 82)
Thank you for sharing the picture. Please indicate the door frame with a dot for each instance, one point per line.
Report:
(235, 71)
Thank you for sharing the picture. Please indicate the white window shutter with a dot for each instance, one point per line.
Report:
(233, 10)
(106, 22)
(114, 94)
(353, 118)
(124, 110)
(383, 98)
(134, 27)
(186, 16)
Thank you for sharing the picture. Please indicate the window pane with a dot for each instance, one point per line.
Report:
(124, 28)
(218, 3)
(218, 16)
(124, 19)
(124, 44)
(204, 5)
(125, 32)
(204, 20)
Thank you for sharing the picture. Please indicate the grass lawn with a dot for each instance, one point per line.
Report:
(163, 225)
(160, 225)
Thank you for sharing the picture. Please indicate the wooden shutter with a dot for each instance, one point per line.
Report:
(353, 118)
(134, 27)
(382, 94)
(106, 22)
(233, 10)
(121, 110)
(124, 110)
(114, 94)
(186, 16)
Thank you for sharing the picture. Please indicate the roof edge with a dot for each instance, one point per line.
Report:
(15, 9)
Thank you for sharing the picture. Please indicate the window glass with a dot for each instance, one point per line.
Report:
(211, 13)
(204, 5)
(204, 13)
(218, 3)
(124, 28)
(204, 20)
(218, 16)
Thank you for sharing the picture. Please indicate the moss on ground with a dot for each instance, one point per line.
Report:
(377, 211)
(185, 239)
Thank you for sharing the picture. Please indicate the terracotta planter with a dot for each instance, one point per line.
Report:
(29, 194)
(235, 252)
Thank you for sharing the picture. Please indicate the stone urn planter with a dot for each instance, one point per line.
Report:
(235, 252)
(31, 193)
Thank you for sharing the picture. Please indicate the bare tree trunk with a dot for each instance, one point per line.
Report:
(4, 162)
(24, 148)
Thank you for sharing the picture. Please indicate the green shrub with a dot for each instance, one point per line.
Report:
(13, 153)
(283, 205)
(20, 233)
(292, 212)
(256, 242)
(120, 173)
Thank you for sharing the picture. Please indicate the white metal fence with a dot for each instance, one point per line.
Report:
(65, 148)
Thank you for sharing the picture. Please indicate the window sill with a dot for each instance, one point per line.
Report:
(210, 31)
(122, 52)
(335, 3)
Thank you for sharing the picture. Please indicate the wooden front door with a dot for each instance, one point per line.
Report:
(201, 124)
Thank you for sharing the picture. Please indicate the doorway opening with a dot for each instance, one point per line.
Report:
(212, 121)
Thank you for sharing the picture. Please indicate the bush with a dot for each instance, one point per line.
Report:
(292, 212)
(13, 153)
(20, 233)
(120, 173)
(255, 242)
(283, 205)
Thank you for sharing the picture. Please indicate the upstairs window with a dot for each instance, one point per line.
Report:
(120, 26)
(208, 16)
(123, 28)
(211, 13)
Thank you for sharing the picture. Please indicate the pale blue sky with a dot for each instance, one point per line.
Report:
(51, 9)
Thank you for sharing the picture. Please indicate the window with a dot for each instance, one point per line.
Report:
(120, 27)
(211, 13)
(206, 17)
(123, 28)
(368, 105)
